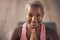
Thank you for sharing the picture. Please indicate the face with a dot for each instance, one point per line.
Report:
(34, 16)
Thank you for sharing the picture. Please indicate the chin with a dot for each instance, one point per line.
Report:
(34, 26)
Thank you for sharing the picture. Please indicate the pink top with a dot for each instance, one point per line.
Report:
(42, 34)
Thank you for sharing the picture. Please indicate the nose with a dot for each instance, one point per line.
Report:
(34, 19)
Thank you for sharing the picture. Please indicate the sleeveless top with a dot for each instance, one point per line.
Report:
(42, 33)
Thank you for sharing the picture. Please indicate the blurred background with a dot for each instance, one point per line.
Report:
(12, 12)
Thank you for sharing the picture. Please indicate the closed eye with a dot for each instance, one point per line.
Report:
(38, 15)
(30, 15)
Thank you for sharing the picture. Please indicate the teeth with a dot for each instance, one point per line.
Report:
(36, 21)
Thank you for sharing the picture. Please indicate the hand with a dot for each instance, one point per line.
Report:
(33, 35)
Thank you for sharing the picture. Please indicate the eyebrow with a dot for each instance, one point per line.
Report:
(30, 14)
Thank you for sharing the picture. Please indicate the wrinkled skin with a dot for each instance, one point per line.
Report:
(34, 17)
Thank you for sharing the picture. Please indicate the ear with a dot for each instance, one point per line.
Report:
(42, 16)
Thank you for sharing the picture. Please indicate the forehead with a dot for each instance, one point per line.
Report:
(34, 10)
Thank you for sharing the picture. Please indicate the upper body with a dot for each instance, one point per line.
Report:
(34, 16)
(51, 35)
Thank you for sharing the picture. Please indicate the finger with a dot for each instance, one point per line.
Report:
(33, 31)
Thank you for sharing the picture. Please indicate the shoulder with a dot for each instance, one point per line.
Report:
(19, 27)
(51, 34)
(17, 31)
(50, 31)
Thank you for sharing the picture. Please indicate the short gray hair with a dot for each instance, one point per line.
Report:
(33, 3)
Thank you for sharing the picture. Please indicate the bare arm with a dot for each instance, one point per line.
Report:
(52, 34)
(16, 33)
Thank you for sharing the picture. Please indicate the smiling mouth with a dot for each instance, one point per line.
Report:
(34, 22)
